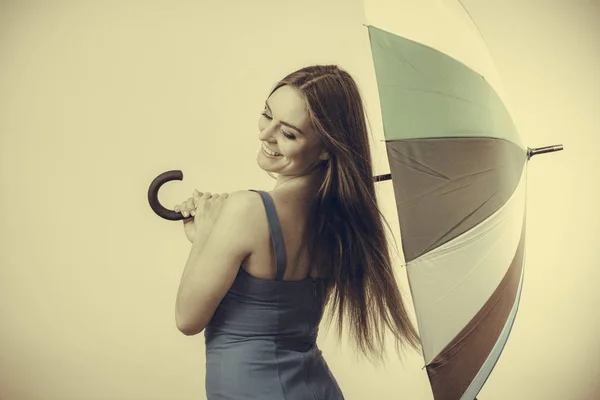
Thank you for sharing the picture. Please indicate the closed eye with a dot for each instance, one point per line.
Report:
(287, 135)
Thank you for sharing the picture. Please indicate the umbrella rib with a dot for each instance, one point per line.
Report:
(445, 234)
(451, 190)
(444, 95)
(427, 170)
(482, 316)
(471, 271)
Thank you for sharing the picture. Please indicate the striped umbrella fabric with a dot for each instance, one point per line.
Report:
(459, 173)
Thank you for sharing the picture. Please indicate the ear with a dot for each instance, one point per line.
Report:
(324, 156)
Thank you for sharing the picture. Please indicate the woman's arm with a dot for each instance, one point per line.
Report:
(215, 258)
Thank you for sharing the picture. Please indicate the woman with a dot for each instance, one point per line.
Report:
(257, 284)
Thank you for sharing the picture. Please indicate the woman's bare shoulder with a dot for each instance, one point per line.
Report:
(246, 195)
(251, 200)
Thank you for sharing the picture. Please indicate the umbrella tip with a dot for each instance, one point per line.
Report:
(542, 150)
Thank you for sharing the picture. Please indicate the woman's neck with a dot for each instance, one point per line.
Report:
(300, 190)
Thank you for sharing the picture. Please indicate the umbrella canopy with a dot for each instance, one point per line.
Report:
(458, 167)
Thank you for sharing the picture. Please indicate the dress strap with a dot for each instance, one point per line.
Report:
(276, 233)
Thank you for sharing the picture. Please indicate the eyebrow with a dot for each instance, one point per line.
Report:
(283, 122)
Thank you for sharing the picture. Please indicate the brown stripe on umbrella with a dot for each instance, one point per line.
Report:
(453, 370)
(446, 186)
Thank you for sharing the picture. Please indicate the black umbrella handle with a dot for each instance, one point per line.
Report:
(175, 175)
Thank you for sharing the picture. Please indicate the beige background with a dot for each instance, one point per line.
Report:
(97, 98)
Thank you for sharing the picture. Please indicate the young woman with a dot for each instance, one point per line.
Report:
(263, 265)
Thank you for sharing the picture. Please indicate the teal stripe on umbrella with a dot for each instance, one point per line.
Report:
(426, 94)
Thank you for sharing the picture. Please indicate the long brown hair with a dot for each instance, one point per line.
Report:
(345, 235)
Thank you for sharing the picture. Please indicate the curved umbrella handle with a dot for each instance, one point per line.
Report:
(153, 195)
(177, 175)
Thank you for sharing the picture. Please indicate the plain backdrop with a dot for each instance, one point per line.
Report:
(98, 98)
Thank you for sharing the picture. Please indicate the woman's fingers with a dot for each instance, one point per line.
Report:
(190, 204)
(185, 208)
(180, 207)
(188, 207)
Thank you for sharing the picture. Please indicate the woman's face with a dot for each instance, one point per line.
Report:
(285, 129)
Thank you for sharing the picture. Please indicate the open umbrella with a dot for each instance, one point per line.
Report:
(458, 168)
(459, 173)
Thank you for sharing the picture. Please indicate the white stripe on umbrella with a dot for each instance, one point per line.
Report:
(451, 284)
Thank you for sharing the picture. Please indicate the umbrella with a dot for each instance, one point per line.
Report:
(459, 173)
(458, 168)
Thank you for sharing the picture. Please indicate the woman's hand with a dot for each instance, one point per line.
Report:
(202, 210)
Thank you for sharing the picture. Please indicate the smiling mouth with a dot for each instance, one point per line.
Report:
(270, 152)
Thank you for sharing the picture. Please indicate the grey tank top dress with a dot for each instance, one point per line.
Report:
(261, 340)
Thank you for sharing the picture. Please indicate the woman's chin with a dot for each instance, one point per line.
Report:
(266, 164)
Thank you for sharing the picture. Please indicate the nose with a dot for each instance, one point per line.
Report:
(266, 133)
